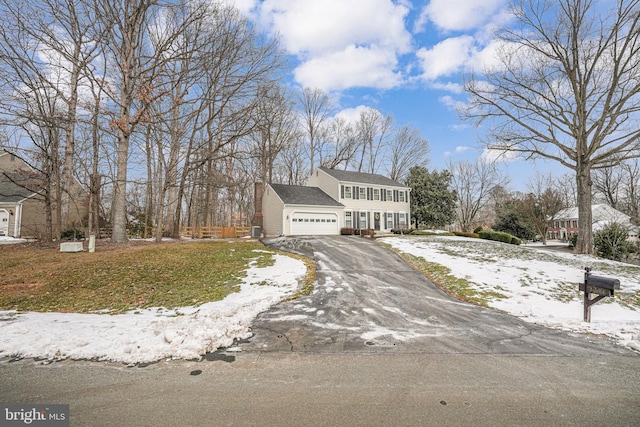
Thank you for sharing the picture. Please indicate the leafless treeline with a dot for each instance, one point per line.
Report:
(167, 112)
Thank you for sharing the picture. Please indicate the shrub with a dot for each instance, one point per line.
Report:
(485, 234)
(367, 232)
(432, 233)
(403, 230)
(477, 229)
(72, 234)
(611, 242)
(467, 234)
(499, 236)
(573, 240)
(347, 231)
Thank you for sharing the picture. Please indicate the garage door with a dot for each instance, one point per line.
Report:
(314, 223)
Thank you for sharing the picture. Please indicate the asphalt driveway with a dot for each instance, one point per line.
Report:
(367, 299)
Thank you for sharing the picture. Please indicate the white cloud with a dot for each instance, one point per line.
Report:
(445, 58)
(458, 149)
(451, 103)
(352, 115)
(341, 43)
(351, 67)
(244, 6)
(449, 87)
(329, 25)
(491, 155)
(455, 55)
(459, 15)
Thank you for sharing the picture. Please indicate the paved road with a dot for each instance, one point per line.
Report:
(374, 345)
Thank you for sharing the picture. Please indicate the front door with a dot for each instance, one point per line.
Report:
(4, 222)
(376, 221)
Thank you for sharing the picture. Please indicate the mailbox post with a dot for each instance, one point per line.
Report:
(601, 286)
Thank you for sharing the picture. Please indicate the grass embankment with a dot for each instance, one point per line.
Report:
(457, 287)
(120, 279)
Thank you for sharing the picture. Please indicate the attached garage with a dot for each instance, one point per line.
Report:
(292, 210)
(315, 223)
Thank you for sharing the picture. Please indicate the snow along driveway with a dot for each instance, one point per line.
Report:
(367, 299)
(152, 334)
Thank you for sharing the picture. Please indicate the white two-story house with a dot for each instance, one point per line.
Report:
(335, 199)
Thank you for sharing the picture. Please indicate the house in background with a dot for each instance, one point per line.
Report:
(565, 223)
(334, 199)
(22, 205)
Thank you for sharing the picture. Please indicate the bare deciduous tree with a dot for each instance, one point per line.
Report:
(374, 131)
(618, 186)
(341, 145)
(409, 149)
(315, 107)
(474, 183)
(276, 128)
(566, 89)
(542, 203)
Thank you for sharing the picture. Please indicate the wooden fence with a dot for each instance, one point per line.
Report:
(215, 232)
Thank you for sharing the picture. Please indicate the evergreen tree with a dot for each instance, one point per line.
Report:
(433, 202)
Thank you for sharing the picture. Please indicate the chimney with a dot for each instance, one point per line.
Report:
(258, 192)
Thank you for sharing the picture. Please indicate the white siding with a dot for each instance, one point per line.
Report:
(272, 211)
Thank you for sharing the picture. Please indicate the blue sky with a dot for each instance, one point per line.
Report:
(404, 58)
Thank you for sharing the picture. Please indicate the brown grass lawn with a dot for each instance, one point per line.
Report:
(118, 278)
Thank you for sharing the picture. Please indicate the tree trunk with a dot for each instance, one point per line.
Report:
(119, 231)
(584, 244)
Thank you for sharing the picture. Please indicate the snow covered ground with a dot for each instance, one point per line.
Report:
(6, 240)
(152, 334)
(541, 286)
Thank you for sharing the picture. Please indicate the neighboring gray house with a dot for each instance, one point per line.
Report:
(334, 199)
(16, 200)
(22, 206)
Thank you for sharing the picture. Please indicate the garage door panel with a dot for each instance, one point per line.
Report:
(314, 223)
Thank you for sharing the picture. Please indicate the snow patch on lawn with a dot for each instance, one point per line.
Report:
(151, 334)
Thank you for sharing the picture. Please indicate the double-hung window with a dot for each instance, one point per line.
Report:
(348, 219)
(363, 220)
(402, 219)
(389, 220)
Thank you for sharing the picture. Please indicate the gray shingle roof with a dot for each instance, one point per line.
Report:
(361, 177)
(302, 195)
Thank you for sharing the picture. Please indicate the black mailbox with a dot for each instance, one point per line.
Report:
(603, 282)
(598, 285)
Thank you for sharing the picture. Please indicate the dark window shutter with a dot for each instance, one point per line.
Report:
(395, 195)
(383, 195)
(369, 191)
(342, 191)
(356, 193)
(396, 220)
